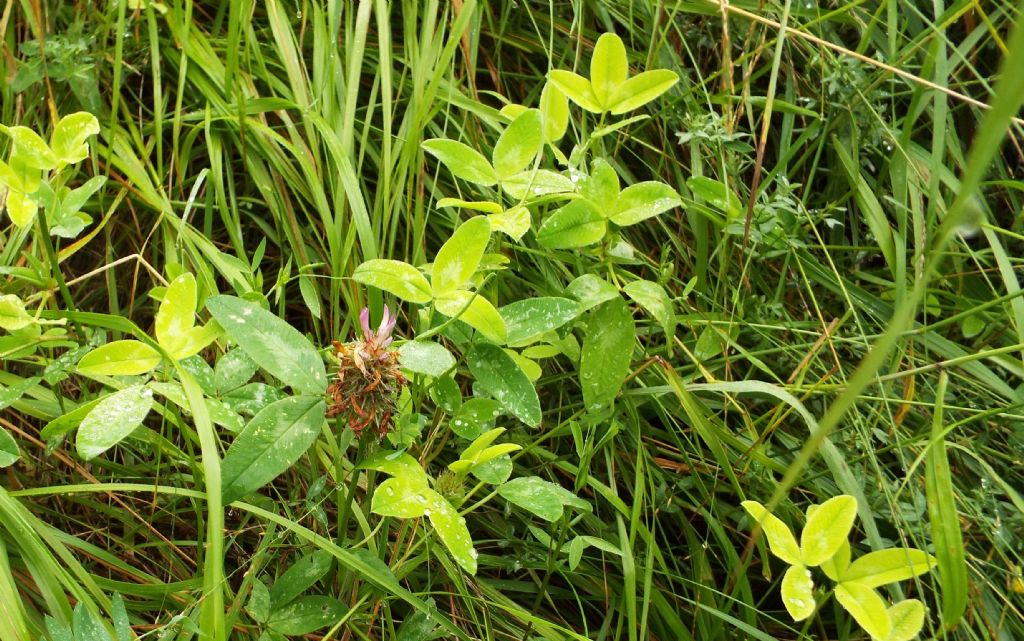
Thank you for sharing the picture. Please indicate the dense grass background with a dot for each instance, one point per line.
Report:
(290, 132)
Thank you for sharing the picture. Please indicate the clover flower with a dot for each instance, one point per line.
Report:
(365, 392)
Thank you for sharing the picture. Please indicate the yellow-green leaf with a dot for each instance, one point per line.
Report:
(907, 618)
(826, 529)
(780, 538)
(462, 160)
(866, 607)
(513, 222)
(70, 134)
(176, 315)
(519, 144)
(798, 592)
(395, 277)
(641, 89)
(888, 566)
(578, 224)
(608, 68)
(459, 257)
(31, 149)
(475, 311)
(21, 208)
(576, 88)
(13, 315)
(120, 358)
(555, 108)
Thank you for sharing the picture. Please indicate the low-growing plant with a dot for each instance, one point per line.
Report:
(824, 542)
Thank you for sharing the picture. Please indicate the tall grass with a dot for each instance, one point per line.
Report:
(273, 146)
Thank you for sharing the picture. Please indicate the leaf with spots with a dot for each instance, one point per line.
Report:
(9, 453)
(396, 278)
(451, 529)
(498, 375)
(607, 353)
(459, 258)
(798, 592)
(299, 577)
(543, 498)
(306, 614)
(69, 136)
(112, 420)
(401, 497)
(275, 345)
(270, 444)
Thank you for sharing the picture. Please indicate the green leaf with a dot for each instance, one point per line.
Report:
(452, 530)
(495, 471)
(459, 257)
(307, 614)
(13, 315)
(499, 376)
(475, 311)
(252, 398)
(576, 88)
(112, 420)
(868, 204)
(607, 353)
(578, 224)
(555, 107)
(120, 358)
(21, 208)
(973, 325)
(425, 357)
(395, 277)
(608, 68)
(532, 184)
(87, 625)
(480, 443)
(463, 161)
(474, 417)
(233, 370)
(526, 320)
(826, 529)
(602, 185)
(652, 297)
(9, 453)
(275, 345)
(888, 566)
(941, 497)
(10, 178)
(519, 144)
(513, 222)
(485, 206)
(397, 464)
(270, 444)
(70, 134)
(780, 538)
(75, 199)
(400, 497)
(31, 149)
(717, 194)
(446, 394)
(299, 577)
(836, 567)
(642, 201)
(640, 90)
(540, 497)
(258, 605)
(866, 607)
(591, 290)
(798, 592)
(907, 618)
(176, 316)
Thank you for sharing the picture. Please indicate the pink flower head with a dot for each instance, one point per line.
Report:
(381, 338)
